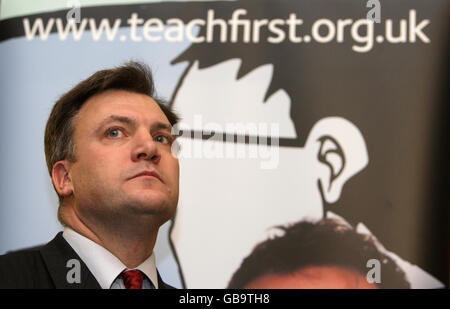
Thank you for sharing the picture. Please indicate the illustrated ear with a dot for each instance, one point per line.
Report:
(341, 153)
(61, 178)
(331, 154)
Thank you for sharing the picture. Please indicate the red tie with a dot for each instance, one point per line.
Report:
(132, 279)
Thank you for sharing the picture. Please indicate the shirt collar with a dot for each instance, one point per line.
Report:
(103, 265)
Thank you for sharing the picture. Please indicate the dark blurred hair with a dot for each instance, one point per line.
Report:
(132, 76)
(326, 242)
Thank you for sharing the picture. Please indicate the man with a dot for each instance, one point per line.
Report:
(108, 150)
(321, 255)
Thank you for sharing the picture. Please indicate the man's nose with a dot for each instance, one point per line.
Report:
(145, 148)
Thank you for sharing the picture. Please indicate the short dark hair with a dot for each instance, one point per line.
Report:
(326, 242)
(132, 76)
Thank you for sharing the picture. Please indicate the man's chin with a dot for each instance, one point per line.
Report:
(152, 204)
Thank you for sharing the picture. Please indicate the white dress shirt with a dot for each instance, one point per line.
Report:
(106, 267)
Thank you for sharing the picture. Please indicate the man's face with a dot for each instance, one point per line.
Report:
(123, 162)
(314, 277)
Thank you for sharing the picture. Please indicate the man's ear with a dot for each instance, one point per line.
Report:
(340, 152)
(61, 178)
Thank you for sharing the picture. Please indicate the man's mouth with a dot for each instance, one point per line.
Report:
(147, 173)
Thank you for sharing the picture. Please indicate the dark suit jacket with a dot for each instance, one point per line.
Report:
(45, 268)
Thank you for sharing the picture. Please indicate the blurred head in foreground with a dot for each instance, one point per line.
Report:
(318, 255)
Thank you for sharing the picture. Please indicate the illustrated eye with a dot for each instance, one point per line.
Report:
(115, 133)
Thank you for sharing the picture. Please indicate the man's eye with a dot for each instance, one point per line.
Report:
(115, 133)
(162, 139)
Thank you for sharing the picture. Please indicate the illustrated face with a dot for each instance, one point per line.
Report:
(124, 165)
(314, 277)
(230, 199)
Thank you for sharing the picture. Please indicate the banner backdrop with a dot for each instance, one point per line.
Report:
(291, 111)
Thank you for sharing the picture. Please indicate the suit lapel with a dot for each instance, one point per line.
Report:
(162, 284)
(56, 254)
